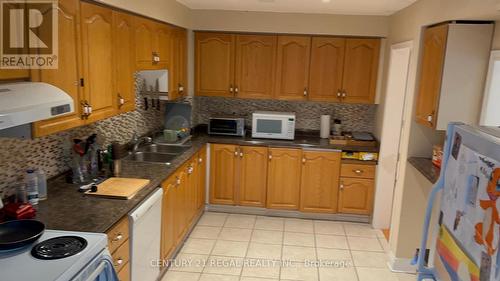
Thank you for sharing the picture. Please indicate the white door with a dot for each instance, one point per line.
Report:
(397, 80)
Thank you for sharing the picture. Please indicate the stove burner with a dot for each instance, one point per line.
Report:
(59, 247)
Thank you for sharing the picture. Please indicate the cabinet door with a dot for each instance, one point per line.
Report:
(283, 178)
(252, 176)
(97, 33)
(180, 218)
(178, 63)
(144, 34)
(327, 68)
(162, 42)
(360, 70)
(124, 60)
(202, 177)
(191, 185)
(254, 67)
(15, 74)
(356, 196)
(292, 67)
(66, 77)
(320, 181)
(168, 237)
(431, 70)
(214, 63)
(222, 174)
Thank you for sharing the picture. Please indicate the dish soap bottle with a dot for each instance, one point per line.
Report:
(32, 186)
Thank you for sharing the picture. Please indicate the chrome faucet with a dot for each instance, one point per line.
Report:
(138, 141)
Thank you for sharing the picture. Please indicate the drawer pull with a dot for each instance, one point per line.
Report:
(357, 171)
(118, 237)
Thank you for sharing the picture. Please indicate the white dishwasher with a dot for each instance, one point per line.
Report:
(145, 229)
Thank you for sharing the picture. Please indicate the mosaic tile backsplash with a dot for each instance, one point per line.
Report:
(52, 153)
(354, 117)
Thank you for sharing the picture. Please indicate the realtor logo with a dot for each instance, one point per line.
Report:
(28, 34)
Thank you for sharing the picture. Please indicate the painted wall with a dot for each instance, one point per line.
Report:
(290, 23)
(407, 25)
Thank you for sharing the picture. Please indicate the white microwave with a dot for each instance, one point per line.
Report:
(273, 125)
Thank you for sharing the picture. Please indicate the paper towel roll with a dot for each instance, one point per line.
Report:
(325, 126)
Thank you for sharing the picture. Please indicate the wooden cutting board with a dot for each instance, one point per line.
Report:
(119, 188)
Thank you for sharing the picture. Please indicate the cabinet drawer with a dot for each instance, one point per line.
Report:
(124, 274)
(121, 256)
(358, 171)
(118, 234)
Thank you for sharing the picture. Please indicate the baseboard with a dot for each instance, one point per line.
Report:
(286, 213)
(401, 265)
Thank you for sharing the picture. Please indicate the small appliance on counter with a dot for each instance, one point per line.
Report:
(273, 125)
(228, 126)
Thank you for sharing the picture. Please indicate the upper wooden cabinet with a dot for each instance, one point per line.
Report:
(320, 181)
(255, 66)
(448, 91)
(360, 70)
(327, 68)
(124, 60)
(153, 44)
(292, 67)
(97, 53)
(222, 174)
(283, 181)
(178, 64)
(214, 59)
(67, 75)
(252, 176)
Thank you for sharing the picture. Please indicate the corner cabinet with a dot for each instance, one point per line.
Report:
(319, 181)
(448, 91)
(214, 60)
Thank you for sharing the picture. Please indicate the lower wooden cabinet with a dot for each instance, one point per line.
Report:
(356, 196)
(252, 176)
(180, 205)
(202, 178)
(283, 181)
(222, 169)
(124, 274)
(119, 247)
(320, 181)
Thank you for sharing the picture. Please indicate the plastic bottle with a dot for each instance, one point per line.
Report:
(42, 184)
(32, 186)
(21, 193)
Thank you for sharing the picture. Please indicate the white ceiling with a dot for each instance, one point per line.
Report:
(345, 7)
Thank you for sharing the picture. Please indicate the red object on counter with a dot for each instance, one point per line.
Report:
(19, 211)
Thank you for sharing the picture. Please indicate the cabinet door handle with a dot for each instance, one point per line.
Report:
(339, 94)
(180, 88)
(236, 153)
(121, 101)
(358, 171)
(236, 90)
(341, 186)
(303, 160)
(270, 156)
(190, 169)
(118, 262)
(305, 92)
(177, 181)
(200, 160)
(118, 237)
(231, 89)
(344, 94)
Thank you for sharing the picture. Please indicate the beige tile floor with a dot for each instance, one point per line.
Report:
(231, 247)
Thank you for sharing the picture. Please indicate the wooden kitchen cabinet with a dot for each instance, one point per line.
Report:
(356, 189)
(214, 64)
(433, 56)
(356, 196)
(252, 176)
(255, 66)
(360, 70)
(168, 235)
(124, 60)
(192, 188)
(327, 68)
(67, 75)
(283, 181)
(202, 178)
(180, 219)
(119, 247)
(292, 67)
(162, 42)
(178, 64)
(97, 52)
(222, 173)
(320, 181)
(145, 45)
(14, 74)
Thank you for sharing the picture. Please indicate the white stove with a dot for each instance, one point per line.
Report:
(88, 264)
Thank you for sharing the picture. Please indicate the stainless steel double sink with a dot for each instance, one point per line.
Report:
(157, 153)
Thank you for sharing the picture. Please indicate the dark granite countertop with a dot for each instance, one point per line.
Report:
(425, 166)
(67, 209)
